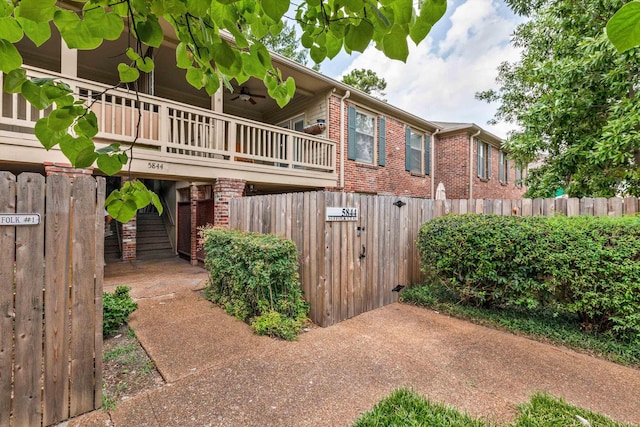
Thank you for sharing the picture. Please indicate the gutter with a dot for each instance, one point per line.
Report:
(433, 163)
(471, 138)
(342, 155)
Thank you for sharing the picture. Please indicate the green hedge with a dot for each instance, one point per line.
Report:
(589, 266)
(116, 308)
(254, 277)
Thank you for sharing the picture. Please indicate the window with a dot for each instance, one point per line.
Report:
(297, 124)
(417, 152)
(519, 175)
(503, 173)
(363, 145)
(484, 160)
(365, 137)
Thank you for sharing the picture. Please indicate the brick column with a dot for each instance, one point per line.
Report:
(193, 197)
(129, 237)
(51, 168)
(223, 191)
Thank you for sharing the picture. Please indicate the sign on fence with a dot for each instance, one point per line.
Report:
(19, 219)
(50, 297)
(342, 214)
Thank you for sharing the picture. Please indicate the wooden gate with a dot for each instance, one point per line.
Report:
(184, 228)
(346, 267)
(51, 277)
(349, 267)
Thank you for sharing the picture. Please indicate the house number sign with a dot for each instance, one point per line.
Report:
(19, 219)
(342, 214)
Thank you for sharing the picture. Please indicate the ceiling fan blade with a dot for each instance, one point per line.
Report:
(258, 96)
(252, 101)
(233, 99)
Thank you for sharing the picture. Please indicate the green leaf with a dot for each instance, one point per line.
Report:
(109, 164)
(37, 10)
(122, 210)
(146, 64)
(35, 95)
(86, 157)
(131, 54)
(76, 34)
(61, 118)
(198, 8)
(318, 53)
(358, 37)
(109, 149)
(394, 44)
(194, 77)
(38, 32)
(10, 58)
(102, 24)
(127, 74)
(73, 148)
(47, 137)
(275, 9)
(403, 11)
(155, 200)
(184, 59)
(333, 45)
(87, 125)
(10, 30)
(150, 32)
(623, 29)
(14, 80)
(430, 12)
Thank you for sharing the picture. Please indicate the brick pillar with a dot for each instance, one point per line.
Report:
(129, 237)
(51, 168)
(129, 245)
(193, 197)
(223, 191)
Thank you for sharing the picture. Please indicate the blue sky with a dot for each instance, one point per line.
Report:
(459, 58)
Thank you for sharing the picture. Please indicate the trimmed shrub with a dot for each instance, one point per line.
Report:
(116, 308)
(584, 265)
(254, 277)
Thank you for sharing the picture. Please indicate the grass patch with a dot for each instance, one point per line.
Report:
(405, 407)
(127, 369)
(541, 325)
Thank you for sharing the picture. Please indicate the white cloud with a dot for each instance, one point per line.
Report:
(441, 76)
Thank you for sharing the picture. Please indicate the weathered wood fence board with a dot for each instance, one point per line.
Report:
(349, 267)
(50, 298)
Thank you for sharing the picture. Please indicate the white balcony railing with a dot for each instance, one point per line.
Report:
(181, 130)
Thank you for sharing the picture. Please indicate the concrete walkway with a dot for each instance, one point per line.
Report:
(220, 374)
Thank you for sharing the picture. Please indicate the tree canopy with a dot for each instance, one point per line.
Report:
(287, 44)
(367, 81)
(218, 40)
(573, 99)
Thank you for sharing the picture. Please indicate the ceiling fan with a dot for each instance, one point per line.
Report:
(245, 95)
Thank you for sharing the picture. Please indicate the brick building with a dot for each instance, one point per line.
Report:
(197, 151)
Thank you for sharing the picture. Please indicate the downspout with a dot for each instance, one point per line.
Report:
(433, 163)
(471, 138)
(342, 156)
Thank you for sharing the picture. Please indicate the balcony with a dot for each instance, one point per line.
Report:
(179, 140)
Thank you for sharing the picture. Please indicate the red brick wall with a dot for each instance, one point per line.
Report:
(493, 188)
(452, 165)
(365, 178)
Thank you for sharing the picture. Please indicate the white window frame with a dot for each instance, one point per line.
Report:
(483, 160)
(504, 168)
(373, 137)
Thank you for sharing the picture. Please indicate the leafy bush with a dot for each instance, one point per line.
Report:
(589, 266)
(254, 277)
(117, 307)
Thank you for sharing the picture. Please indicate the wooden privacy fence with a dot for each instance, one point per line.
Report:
(349, 267)
(51, 273)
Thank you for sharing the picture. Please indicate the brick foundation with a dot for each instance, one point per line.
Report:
(51, 168)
